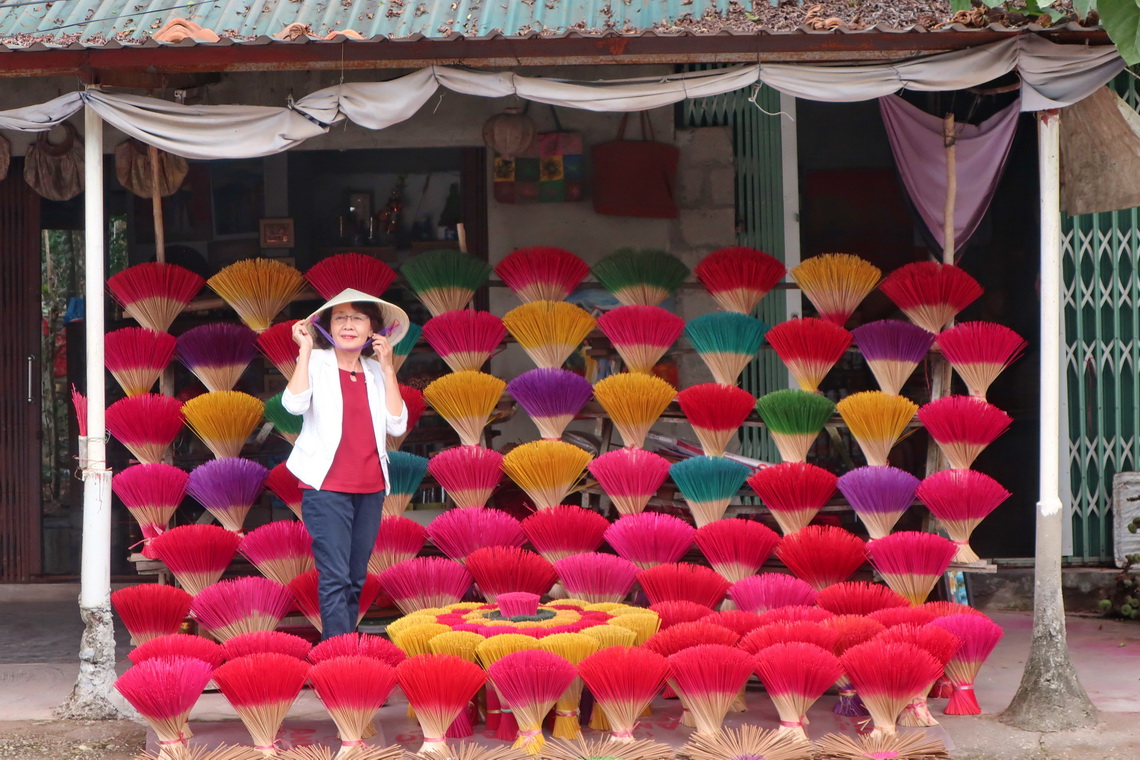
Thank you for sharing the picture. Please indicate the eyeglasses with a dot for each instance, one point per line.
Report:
(356, 319)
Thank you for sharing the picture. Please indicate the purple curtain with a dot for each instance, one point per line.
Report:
(980, 156)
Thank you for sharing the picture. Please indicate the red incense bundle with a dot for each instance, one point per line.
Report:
(196, 554)
(363, 644)
(467, 473)
(541, 273)
(417, 405)
(500, 569)
(738, 277)
(531, 682)
(459, 532)
(150, 610)
(624, 681)
(641, 334)
(333, 274)
(709, 677)
(146, 424)
(859, 598)
(286, 487)
(151, 493)
(803, 631)
(649, 539)
(400, 538)
(179, 645)
(558, 532)
(794, 492)
(164, 690)
(941, 645)
(241, 605)
(674, 613)
(961, 499)
(438, 687)
(929, 293)
(739, 621)
(153, 293)
(892, 616)
(630, 477)
(596, 577)
(888, 677)
(305, 591)
(822, 554)
(279, 347)
(716, 413)
(424, 582)
(736, 548)
(979, 352)
(963, 426)
(793, 613)
(464, 338)
(136, 357)
(851, 630)
(683, 636)
(911, 562)
(352, 689)
(281, 550)
(769, 591)
(683, 581)
(796, 674)
(809, 347)
(261, 688)
(277, 642)
(979, 635)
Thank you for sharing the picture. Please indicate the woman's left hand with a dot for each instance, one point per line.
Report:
(383, 352)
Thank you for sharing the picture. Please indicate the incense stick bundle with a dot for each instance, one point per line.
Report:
(634, 402)
(223, 420)
(794, 419)
(285, 486)
(261, 688)
(563, 530)
(917, 745)
(809, 347)
(541, 273)
(287, 424)
(424, 582)
(769, 591)
(153, 294)
(979, 352)
(835, 283)
(552, 398)
(738, 277)
(716, 413)
(257, 289)
(196, 554)
(574, 648)
(911, 562)
(710, 677)
(466, 400)
(459, 644)
(305, 591)
(941, 644)
(549, 331)
(961, 499)
(736, 548)
(888, 677)
(708, 485)
(150, 610)
(641, 334)
(405, 474)
(859, 598)
(531, 682)
(683, 581)
(445, 279)
(217, 354)
(505, 569)
(930, 293)
(892, 350)
(726, 342)
(467, 473)
(266, 641)
(649, 539)
(597, 577)
(851, 630)
(399, 539)
(465, 338)
(641, 277)
(350, 644)
(352, 689)
(747, 741)
(793, 613)
(227, 488)
(414, 401)
(333, 274)
(164, 691)
(241, 605)
(801, 631)
(151, 493)
(630, 477)
(822, 554)
(280, 550)
(877, 421)
(793, 492)
(879, 496)
(136, 357)
(146, 424)
(963, 426)
(278, 346)
(403, 348)
(796, 674)
(546, 470)
(488, 653)
(623, 681)
(979, 635)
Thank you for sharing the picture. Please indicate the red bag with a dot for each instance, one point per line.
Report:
(635, 177)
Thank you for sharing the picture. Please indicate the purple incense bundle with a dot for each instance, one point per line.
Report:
(551, 397)
(893, 349)
(227, 488)
(879, 495)
(217, 354)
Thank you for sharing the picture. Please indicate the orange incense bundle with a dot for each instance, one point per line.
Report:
(549, 331)
(179, 645)
(400, 538)
(963, 426)
(796, 674)
(649, 539)
(414, 401)
(508, 569)
(716, 413)
(223, 420)
(736, 548)
(164, 690)
(877, 420)
(683, 581)
(809, 347)
(961, 499)
(888, 677)
(467, 473)
(803, 631)
(279, 347)
(596, 577)
(241, 605)
(822, 555)
(623, 681)
(546, 470)
(285, 486)
(464, 338)
(771, 591)
(541, 273)
(281, 550)
(859, 598)
(979, 352)
(793, 492)
(150, 610)
(851, 630)
(929, 293)
(835, 283)
(333, 274)
(196, 554)
(709, 677)
(277, 642)
(305, 592)
(459, 532)
(257, 289)
(146, 424)
(641, 334)
(466, 400)
(911, 562)
(261, 688)
(136, 357)
(630, 477)
(438, 687)
(153, 294)
(634, 402)
(941, 644)
(352, 689)
(738, 277)
(563, 530)
(151, 493)
(531, 682)
(979, 635)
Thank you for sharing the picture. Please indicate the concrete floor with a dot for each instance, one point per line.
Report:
(38, 668)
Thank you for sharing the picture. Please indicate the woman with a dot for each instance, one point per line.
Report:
(346, 392)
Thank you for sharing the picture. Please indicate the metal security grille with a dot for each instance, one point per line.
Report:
(760, 217)
(1102, 327)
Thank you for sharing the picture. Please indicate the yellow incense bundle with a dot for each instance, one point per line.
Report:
(223, 420)
(876, 420)
(634, 402)
(546, 470)
(466, 400)
(257, 289)
(836, 283)
(549, 331)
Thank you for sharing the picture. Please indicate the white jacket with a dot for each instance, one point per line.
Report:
(323, 415)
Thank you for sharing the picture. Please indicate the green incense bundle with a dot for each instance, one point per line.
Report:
(288, 425)
(445, 279)
(726, 341)
(794, 418)
(401, 350)
(640, 277)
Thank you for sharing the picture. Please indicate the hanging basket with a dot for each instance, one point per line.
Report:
(509, 133)
(132, 169)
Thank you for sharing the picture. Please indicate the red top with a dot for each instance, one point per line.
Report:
(356, 464)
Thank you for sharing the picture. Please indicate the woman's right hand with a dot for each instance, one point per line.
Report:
(301, 335)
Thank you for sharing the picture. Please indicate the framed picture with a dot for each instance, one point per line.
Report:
(276, 233)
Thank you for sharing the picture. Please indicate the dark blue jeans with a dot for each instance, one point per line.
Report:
(344, 528)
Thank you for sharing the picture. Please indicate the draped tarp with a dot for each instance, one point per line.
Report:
(1052, 76)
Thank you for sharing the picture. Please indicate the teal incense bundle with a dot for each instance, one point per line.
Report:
(726, 342)
(708, 485)
(405, 474)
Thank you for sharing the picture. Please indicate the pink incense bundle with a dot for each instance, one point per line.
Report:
(961, 499)
(277, 642)
(150, 610)
(736, 548)
(804, 631)
(641, 334)
(241, 605)
(979, 635)
(709, 677)
(218, 354)
(675, 613)
(281, 550)
(770, 591)
(892, 349)
(362, 644)
(624, 681)
(136, 357)
(464, 338)
(414, 401)
(794, 492)
(738, 277)
(979, 352)
(683, 636)
(285, 486)
(716, 413)
(551, 397)
(630, 477)
(739, 621)
(333, 274)
(467, 473)
(425, 582)
(888, 677)
(822, 554)
(596, 577)
(794, 613)
(499, 569)
(164, 690)
(261, 688)
(851, 630)
(649, 539)
(352, 689)
(531, 681)
(963, 426)
(438, 687)
(79, 401)
(541, 273)
(279, 348)
(400, 538)
(305, 592)
(196, 554)
(941, 645)
(459, 532)
(683, 581)
(146, 424)
(859, 598)
(566, 529)
(151, 493)
(944, 608)
(796, 674)
(809, 347)
(929, 293)
(179, 645)
(879, 495)
(893, 616)
(911, 562)
(517, 603)
(227, 488)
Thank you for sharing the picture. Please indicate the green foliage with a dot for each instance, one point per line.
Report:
(1122, 600)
